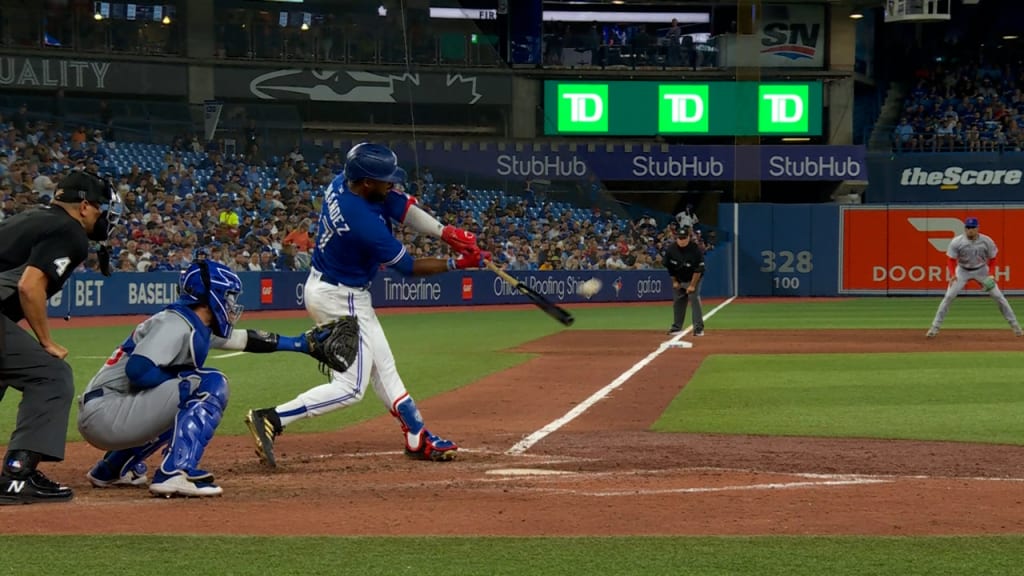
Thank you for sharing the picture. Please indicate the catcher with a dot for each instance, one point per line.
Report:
(155, 391)
(972, 256)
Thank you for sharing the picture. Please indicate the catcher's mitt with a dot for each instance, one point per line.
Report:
(989, 283)
(334, 344)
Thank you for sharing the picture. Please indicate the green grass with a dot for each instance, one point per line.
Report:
(517, 557)
(862, 313)
(916, 396)
(237, 556)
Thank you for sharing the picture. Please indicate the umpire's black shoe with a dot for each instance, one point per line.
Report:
(32, 488)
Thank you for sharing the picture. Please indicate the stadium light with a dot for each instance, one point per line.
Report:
(856, 15)
(166, 20)
(97, 16)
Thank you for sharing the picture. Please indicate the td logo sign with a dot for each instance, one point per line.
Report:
(583, 108)
(683, 109)
(783, 109)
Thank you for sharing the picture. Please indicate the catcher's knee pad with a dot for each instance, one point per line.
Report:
(197, 420)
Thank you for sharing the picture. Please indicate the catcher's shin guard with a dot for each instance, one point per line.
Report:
(419, 442)
(264, 425)
(197, 420)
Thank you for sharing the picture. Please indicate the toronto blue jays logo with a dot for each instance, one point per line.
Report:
(358, 86)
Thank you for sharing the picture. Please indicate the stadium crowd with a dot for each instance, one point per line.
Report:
(174, 213)
(963, 106)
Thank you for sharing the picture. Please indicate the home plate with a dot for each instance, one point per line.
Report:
(680, 344)
(526, 472)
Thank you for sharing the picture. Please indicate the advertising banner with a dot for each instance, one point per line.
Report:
(75, 74)
(90, 294)
(638, 108)
(943, 178)
(902, 249)
(790, 36)
(337, 85)
(636, 162)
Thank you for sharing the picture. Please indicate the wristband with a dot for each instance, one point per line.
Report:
(451, 264)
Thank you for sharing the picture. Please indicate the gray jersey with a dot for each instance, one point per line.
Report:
(166, 338)
(972, 254)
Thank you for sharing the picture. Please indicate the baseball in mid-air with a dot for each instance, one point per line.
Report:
(589, 288)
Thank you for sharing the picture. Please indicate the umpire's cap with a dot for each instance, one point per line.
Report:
(373, 162)
(971, 222)
(78, 186)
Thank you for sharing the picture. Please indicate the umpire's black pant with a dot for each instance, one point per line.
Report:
(47, 389)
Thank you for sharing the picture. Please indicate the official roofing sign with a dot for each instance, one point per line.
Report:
(380, 87)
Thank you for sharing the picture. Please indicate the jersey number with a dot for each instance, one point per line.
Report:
(61, 264)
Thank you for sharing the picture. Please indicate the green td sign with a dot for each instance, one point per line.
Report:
(683, 109)
(583, 107)
(783, 108)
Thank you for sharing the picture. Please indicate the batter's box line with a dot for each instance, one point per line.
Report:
(858, 475)
(535, 458)
(711, 489)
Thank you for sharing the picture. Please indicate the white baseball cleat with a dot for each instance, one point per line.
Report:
(178, 484)
(932, 332)
(1017, 331)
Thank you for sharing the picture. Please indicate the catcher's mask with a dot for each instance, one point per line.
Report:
(98, 191)
(214, 285)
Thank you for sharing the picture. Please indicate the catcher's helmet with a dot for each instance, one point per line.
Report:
(373, 162)
(216, 286)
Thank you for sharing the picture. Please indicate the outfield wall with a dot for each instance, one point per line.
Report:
(91, 294)
(896, 249)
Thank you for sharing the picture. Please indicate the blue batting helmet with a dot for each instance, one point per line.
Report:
(214, 285)
(971, 222)
(373, 162)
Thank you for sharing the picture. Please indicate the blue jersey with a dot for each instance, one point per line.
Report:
(354, 236)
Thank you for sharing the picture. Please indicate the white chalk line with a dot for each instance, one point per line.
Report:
(707, 489)
(218, 357)
(528, 442)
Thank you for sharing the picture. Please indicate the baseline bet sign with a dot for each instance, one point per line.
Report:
(696, 108)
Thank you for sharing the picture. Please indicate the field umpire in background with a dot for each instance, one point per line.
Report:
(684, 261)
(41, 248)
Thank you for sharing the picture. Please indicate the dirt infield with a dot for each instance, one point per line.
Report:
(601, 474)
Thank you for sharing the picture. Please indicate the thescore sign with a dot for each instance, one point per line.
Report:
(945, 177)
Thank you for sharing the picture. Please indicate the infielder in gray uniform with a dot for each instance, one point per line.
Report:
(155, 391)
(972, 256)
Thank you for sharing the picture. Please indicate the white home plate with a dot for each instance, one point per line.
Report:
(526, 472)
(680, 344)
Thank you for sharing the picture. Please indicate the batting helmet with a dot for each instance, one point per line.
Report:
(373, 162)
(214, 285)
(971, 222)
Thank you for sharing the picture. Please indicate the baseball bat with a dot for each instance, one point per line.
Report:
(541, 302)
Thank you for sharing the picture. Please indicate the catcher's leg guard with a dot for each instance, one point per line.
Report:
(125, 467)
(419, 442)
(199, 415)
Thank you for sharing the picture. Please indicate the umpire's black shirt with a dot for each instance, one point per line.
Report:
(682, 263)
(47, 238)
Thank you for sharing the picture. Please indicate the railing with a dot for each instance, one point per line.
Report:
(936, 143)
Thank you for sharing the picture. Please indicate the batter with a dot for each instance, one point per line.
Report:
(972, 256)
(354, 239)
